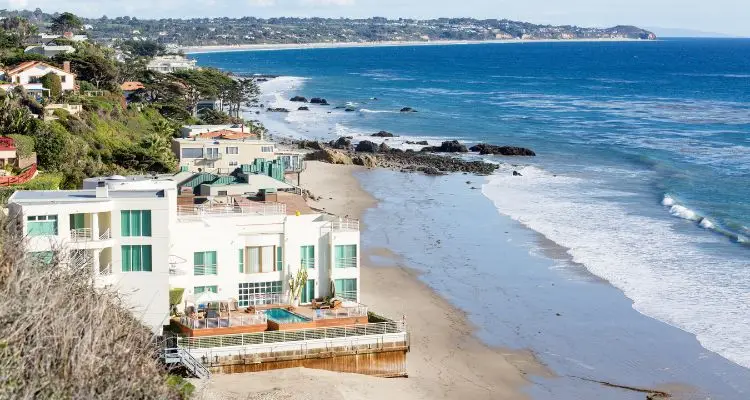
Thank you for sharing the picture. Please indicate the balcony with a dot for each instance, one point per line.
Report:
(345, 262)
(213, 210)
(345, 225)
(212, 157)
(81, 234)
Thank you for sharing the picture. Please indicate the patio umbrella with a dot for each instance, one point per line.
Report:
(208, 297)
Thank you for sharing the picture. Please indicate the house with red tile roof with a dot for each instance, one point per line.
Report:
(30, 72)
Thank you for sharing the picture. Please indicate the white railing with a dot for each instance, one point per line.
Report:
(224, 322)
(212, 157)
(347, 312)
(255, 208)
(106, 235)
(249, 339)
(345, 262)
(81, 234)
(345, 225)
(261, 299)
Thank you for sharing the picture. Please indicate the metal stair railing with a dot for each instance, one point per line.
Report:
(188, 361)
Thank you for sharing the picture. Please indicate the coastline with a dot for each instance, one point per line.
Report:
(304, 46)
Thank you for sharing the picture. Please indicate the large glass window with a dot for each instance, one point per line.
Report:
(135, 223)
(346, 256)
(346, 288)
(204, 263)
(77, 221)
(308, 292)
(242, 260)
(136, 258)
(192, 153)
(202, 289)
(42, 225)
(232, 150)
(257, 293)
(307, 256)
(279, 258)
(260, 259)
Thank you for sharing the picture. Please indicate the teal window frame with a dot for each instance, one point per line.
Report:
(308, 292)
(41, 225)
(241, 260)
(43, 257)
(204, 289)
(345, 256)
(137, 258)
(346, 288)
(135, 223)
(307, 256)
(279, 258)
(77, 221)
(205, 263)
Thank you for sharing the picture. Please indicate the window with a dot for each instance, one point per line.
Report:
(222, 192)
(135, 223)
(62, 78)
(346, 288)
(192, 153)
(260, 259)
(308, 292)
(266, 149)
(136, 258)
(242, 260)
(42, 257)
(77, 221)
(204, 263)
(232, 150)
(42, 225)
(212, 153)
(233, 163)
(279, 258)
(256, 293)
(204, 289)
(346, 256)
(307, 255)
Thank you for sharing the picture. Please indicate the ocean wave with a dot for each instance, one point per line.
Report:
(368, 111)
(656, 265)
(684, 213)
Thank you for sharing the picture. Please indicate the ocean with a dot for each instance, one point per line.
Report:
(643, 158)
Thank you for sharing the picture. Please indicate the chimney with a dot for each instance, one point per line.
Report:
(102, 191)
(66, 66)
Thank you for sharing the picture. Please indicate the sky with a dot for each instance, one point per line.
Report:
(721, 16)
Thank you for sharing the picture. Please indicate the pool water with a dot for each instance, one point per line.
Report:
(283, 316)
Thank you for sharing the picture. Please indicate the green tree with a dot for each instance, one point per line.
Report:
(52, 82)
(66, 22)
(50, 147)
(142, 48)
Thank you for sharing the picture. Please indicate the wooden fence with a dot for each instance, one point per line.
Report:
(25, 176)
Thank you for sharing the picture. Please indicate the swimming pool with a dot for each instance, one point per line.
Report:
(283, 316)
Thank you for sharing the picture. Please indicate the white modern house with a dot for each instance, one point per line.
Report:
(49, 51)
(134, 235)
(170, 63)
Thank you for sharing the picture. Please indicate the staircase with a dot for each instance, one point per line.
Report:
(178, 356)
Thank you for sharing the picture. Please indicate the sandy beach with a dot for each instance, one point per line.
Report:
(446, 360)
(303, 46)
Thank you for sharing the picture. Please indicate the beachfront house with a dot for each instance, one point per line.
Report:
(221, 151)
(138, 235)
(28, 74)
(170, 63)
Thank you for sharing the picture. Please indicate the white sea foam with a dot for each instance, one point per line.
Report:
(706, 223)
(667, 201)
(684, 213)
(660, 268)
(368, 111)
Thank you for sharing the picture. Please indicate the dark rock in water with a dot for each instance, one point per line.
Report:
(281, 110)
(341, 143)
(516, 173)
(310, 144)
(484, 148)
(410, 151)
(431, 171)
(468, 182)
(384, 148)
(451, 146)
(318, 100)
(257, 112)
(349, 109)
(339, 108)
(303, 109)
(298, 99)
(367, 146)
(408, 110)
(383, 134)
(396, 150)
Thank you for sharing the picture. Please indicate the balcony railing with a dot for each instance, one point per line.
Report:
(212, 157)
(106, 235)
(345, 225)
(260, 299)
(256, 208)
(345, 262)
(224, 322)
(105, 270)
(346, 312)
(81, 234)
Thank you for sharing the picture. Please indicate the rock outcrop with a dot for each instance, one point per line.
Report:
(367, 146)
(408, 110)
(281, 110)
(318, 100)
(383, 134)
(420, 143)
(330, 156)
(451, 146)
(298, 99)
(341, 143)
(484, 149)
(365, 160)
(309, 145)
(303, 109)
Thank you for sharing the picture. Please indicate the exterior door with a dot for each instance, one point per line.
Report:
(308, 292)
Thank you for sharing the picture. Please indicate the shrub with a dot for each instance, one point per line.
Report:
(52, 82)
(24, 145)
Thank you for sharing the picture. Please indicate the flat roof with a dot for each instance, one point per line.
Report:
(199, 140)
(78, 196)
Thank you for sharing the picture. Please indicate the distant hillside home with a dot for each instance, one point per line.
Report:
(28, 74)
(9, 155)
(130, 87)
(45, 37)
(49, 51)
(188, 131)
(172, 63)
